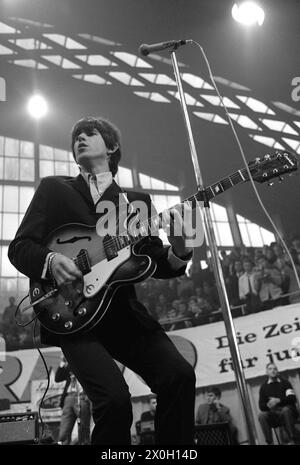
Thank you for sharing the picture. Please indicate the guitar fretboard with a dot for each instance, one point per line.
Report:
(153, 224)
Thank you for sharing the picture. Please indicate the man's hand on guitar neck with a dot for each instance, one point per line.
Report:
(64, 270)
(178, 229)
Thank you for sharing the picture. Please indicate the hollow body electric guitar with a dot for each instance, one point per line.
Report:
(109, 261)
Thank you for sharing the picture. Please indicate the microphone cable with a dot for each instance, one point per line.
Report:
(48, 380)
(35, 343)
(246, 165)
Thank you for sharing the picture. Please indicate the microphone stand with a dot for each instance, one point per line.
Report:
(211, 242)
(79, 426)
(78, 405)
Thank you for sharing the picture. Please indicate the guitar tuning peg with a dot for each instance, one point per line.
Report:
(271, 183)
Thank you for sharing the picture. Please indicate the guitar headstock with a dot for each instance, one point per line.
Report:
(273, 166)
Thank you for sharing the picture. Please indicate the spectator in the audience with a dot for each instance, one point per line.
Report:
(248, 288)
(9, 327)
(146, 424)
(196, 274)
(268, 252)
(198, 293)
(208, 274)
(210, 295)
(171, 289)
(277, 402)
(149, 414)
(185, 287)
(280, 263)
(213, 411)
(8, 317)
(269, 284)
(200, 311)
(183, 317)
(232, 282)
(288, 277)
(225, 263)
(296, 244)
(162, 302)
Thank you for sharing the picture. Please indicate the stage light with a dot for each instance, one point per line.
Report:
(37, 106)
(248, 13)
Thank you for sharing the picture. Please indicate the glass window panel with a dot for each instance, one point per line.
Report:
(145, 181)
(267, 236)
(27, 149)
(1, 145)
(46, 152)
(23, 285)
(1, 224)
(216, 233)
(61, 154)
(1, 167)
(170, 187)
(172, 200)
(11, 199)
(11, 147)
(244, 234)
(46, 168)
(9, 285)
(225, 234)
(125, 177)
(220, 213)
(74, 170)
(1, 196)
(10, 225)
(160, 202)
(26, 169)
(7, 269)
(11, 168)
(26, 194)
(157, 184)
(61, 168)
(254, 233)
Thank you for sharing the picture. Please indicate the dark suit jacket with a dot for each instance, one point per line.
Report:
(220, 416)
(59, 200)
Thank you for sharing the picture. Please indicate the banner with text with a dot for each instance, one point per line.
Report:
(270, 336)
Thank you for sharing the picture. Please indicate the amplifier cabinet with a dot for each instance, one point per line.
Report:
(19, 428)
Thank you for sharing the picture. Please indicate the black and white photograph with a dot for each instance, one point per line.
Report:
(149, 227)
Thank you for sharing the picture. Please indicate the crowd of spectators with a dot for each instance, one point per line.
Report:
(256, 279)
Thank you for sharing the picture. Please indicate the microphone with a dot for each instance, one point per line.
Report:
(146, 49)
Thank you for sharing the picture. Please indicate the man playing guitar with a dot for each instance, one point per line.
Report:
(126, 333)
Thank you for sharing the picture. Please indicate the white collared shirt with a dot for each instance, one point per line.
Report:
(246, 281)
(97, 183)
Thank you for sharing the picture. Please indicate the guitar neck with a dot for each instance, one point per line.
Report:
(153, 224)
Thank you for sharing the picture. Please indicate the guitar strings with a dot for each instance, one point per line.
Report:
(113, 239)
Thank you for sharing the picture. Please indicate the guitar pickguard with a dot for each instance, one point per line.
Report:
(102, 271)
